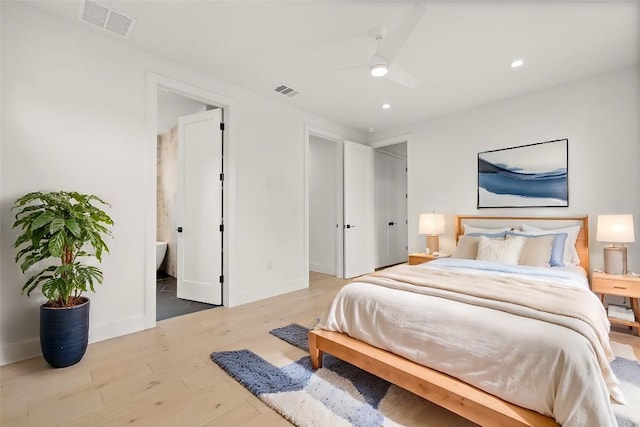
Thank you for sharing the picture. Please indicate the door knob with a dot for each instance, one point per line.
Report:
(349, 226)
(392, 223)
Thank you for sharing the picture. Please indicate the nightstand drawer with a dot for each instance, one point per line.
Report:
(617, 287)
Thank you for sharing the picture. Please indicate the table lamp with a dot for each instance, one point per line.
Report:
(615, 229)
(432, 225)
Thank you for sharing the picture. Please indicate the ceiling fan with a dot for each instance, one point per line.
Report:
(389, 45)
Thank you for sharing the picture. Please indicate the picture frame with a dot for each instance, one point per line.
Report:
(532, 175)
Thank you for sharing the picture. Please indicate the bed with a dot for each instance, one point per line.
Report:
(557, 362)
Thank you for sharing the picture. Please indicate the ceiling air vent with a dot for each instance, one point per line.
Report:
(286, 90)
(107, 19)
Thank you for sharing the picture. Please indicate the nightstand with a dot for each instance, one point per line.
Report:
(624, 286)
(421, 257)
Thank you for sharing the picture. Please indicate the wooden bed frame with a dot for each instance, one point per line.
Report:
(443, 390)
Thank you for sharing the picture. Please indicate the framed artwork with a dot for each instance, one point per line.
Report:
(533, 175)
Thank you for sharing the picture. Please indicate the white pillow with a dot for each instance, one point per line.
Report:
(570, 256)
(468, 229)
(502, 251)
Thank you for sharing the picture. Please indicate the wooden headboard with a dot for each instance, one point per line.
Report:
(582, 244)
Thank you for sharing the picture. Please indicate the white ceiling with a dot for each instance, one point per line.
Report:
(460, 51)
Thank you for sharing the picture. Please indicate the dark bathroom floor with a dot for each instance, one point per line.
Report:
(168, 304)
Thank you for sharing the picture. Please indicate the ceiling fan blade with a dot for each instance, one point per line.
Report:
(398, 75)
(391, 44)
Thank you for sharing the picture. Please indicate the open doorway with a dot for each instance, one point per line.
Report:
(323, 205)
(390, 170)
(175, 111)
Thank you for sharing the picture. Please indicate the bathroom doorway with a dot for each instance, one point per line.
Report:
(179, 118)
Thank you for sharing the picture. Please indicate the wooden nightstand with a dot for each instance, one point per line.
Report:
(624, 286)
(421, 257)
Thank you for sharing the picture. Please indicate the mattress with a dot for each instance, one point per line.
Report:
(529, 360)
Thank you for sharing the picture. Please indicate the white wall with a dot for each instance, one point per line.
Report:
(599, 116)
(74, 117)
(322, 205)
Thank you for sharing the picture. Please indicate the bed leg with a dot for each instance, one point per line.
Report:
(314, 351)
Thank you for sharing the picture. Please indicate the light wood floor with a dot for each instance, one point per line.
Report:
(164, 376)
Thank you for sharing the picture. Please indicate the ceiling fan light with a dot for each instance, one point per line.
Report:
(379, 70)
(379, 67)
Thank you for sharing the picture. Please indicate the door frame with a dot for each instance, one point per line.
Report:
(154, 83)
(339, 143)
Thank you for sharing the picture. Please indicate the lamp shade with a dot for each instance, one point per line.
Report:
(615, 228)
(431, 224)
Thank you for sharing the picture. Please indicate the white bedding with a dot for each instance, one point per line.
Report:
(535, 364)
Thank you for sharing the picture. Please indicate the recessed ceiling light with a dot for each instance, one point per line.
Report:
(517, 63)
(370, 129)
(386, 106)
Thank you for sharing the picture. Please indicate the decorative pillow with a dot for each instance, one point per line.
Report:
(468, 229)
(467, 247)
(501, 251)
(557, 248)
(468, 244)
(570, 256)
(536, 251)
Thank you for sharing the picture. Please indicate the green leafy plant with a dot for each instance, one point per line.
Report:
(62, 228)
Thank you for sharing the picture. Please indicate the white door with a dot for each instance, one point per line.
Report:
(199, 212)
(400, 203)
(359, 242)
(385, 222)
(391, 209)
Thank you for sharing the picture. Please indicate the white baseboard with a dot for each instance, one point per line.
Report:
(106, 330)
(323, 268)
(15, 352)
(263, 292)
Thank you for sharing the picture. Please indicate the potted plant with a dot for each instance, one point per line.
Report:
(60, 232)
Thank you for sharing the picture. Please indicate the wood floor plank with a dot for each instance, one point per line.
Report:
(237, 416)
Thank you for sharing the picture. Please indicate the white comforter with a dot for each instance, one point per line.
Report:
(536, 364)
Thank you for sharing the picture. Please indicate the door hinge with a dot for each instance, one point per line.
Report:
(221, 126)
(221, 279)
(221, 227)
(221, 177)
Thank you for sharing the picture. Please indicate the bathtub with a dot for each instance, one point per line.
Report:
(161, 251)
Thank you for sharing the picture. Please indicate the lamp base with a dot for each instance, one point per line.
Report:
(615, 260)
(433, 243)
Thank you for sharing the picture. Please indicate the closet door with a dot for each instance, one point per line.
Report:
(385, 223)
(391, 209)
(399, 203)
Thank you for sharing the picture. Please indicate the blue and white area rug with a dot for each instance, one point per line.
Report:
(339, 394)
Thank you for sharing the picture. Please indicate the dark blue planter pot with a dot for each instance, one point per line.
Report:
(64, 334)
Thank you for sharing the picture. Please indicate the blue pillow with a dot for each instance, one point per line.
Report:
(501, 234)
(557, 250)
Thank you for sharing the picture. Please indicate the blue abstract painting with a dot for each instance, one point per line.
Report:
(525, 176)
